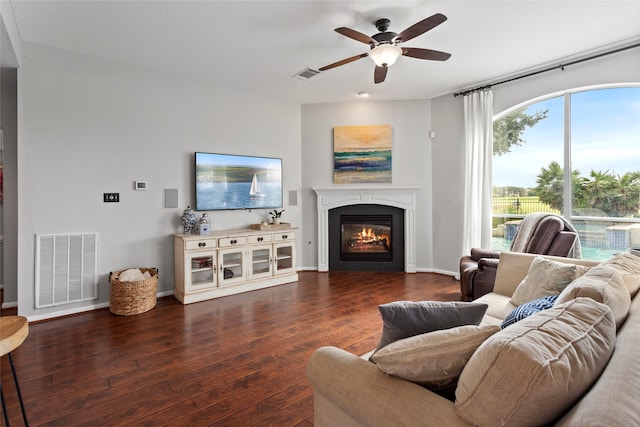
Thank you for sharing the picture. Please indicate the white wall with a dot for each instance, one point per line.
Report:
(411, 163)
(448, 122)
(448, 164)
(88, 126)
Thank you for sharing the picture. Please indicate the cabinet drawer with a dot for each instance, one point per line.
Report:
(192, 245)
(285, 235)
(259, 238)
(232, 241)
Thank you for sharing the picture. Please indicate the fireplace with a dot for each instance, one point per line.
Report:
(403, 198)
(366, 238)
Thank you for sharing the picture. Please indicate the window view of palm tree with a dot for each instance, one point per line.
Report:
(587, 170)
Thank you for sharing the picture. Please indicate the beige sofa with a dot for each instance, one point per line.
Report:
(351, 391)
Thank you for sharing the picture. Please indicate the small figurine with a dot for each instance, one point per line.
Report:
(203, 224)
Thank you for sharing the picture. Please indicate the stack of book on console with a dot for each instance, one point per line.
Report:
(203, 262)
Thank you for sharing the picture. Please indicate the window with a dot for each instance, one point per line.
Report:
(586, 168)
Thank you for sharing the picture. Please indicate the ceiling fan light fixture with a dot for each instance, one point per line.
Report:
(384, 55)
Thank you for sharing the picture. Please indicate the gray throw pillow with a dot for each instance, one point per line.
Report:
(402, 319)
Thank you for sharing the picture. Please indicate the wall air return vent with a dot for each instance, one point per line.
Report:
(66, 268)
(306, 74)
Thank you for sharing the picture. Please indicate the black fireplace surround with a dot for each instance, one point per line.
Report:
(385, 250)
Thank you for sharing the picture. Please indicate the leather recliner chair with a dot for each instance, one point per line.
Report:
(538, 233)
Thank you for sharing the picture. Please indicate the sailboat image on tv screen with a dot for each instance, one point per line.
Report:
(255, 188)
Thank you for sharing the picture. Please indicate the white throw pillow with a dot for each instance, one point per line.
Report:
(434, 359)
(533, 371)
(545, 277)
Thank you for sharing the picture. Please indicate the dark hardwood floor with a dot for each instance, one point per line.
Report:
(233, 361)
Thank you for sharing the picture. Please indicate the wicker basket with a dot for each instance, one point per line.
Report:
(133, 297)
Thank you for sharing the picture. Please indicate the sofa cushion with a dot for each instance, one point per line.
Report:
(512, 268)
(632, 282)
(532, 372)
(499, 306)
(402, 319)
(629, 266)
(516, 265)
(527, 309)
(434, 359)
(545, 277)
(613, 399)
(603, 284)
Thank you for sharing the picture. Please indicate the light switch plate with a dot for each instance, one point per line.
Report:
(111, 197)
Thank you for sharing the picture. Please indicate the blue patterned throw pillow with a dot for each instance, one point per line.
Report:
(527, 309)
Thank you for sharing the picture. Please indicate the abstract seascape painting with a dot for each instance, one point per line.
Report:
(362, 154)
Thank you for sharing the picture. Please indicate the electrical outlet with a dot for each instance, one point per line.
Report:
(111, 197)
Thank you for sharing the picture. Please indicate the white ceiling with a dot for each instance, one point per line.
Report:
(257, 46)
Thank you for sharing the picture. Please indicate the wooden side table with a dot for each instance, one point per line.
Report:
(13, 332)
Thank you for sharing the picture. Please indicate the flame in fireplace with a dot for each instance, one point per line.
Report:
(368, 235)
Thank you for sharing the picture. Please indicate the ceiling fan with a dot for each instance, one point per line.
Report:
(384, 45)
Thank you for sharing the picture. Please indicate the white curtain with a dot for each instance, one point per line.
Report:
(478, 122)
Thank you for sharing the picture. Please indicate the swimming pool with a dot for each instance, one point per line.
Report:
(589, 253)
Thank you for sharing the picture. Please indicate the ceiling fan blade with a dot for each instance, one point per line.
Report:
(344, 61)
(421, 27)
(380, 74)
(356, 35)
(434, 55)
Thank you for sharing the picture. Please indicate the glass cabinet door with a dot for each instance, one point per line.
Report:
(284, 257)
(260, 261)
(201, 271)
(231, 266)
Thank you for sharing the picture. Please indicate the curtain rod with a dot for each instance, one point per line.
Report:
(555, 67)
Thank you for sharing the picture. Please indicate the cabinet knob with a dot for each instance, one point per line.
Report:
(202, 244)
(284, 236)
(260, 239)
(233, 242)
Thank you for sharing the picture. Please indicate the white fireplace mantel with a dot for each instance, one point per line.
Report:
(334, 197)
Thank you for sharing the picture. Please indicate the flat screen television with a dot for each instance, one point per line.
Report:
(226, 181)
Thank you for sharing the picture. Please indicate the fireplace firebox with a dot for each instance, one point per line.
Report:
(366, 238)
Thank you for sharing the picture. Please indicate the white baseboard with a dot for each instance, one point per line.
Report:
(438, 271)
(9, 305)
(418, 270)
(76, 310)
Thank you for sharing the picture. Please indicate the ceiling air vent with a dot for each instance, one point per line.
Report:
(306, 74)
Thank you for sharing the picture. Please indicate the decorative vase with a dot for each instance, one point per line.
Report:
(188, 220)
(204, 219)
(276, 221)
